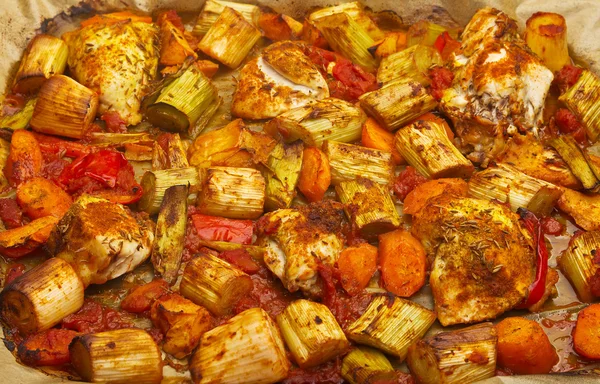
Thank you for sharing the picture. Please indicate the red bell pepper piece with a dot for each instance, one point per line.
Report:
(241, 259)
(537, 288)
(212, 228)
(445, 45)
(54, 145)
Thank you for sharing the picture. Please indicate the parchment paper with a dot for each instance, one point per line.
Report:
(20, 20)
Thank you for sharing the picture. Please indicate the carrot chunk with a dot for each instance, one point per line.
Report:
(357, 265)
(418, 197)
(315, 175)
(586, 335)
(402, 262)
(523, 347)
(376, 137)
(39, 197)
(25, 159)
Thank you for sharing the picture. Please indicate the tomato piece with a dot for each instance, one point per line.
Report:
(551, 226)
(114, 122)
(213, 228)
(567, 77)
(14, 270)
(568, 124)
(53, 145)
(50, 347)
(329, 372)
(93, 317)
(445, 45)
(356, 80)
(141, 298)
(441, 79)
(241, 259)
(10, 213)
(321, 57)
(406, 181)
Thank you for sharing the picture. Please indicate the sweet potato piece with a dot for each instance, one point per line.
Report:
(277, 27)
(586, 334)
(39, 197)
(115, 17)
(25, 159)
(50, 347)
(207, 67)
(312, 35)
(523, 347)
(174, 47)
(315, 175)
(418, 197)
(140, 298)
(376, 137)
(182, 322)
(357, 265)
(20, 241)
(402, 262)
(436, 119)
(584, 209)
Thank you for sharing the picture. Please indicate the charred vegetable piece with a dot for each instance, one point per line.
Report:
(348, 162)
(356, 12)
(120, 356)
(349, 39)
(411, 63)
(186, 104)
(20, 241)
(508, 185)
(47, 348)
(235, 193)
(578, 263)
(170, 233)
(328, 119)
(582, 99)
(42, 297)
(592, 156)
(568, 149)
(425, 145)
(4, 154)
(363, 363)
(369, 206)
(214, 283)
(64, 108)
(282, 175)
(230, 38)
(44, 57)
(21, 118)
(391, 324)
(181, 321)
(311, 332)
(464, 356)
(246, 349)
(156, 183)
(213, 8)
(397, 103)
(543, 202)
(174, 47)
(546, 35)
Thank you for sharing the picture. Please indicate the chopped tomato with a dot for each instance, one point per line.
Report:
(213, 228)
(446, 45)
(569, 125)
(567, 77)
(141, 298)
(54, 145)
(93, 317)
(321, 57)
(329, 372)
(14, 270)
(355, 80)
(106, 174)
(10, 213)
(241, 259)
(406, 181)
(50, 347)
(114, 122)
(551, 226)
(441, 79)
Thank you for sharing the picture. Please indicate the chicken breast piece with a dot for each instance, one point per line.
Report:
(101, 240)
(483, 259)
(499, 86)
(118, 61)
(297, 240)
(281, 78)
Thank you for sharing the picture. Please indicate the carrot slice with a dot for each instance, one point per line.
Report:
(357, 265)
(586, 335)
(418, 197)
(402, 262)
(376, 137)
(436, 119)
(39, 197)
(115, 17)
(523, 347)
(315, 175)
(25, 159)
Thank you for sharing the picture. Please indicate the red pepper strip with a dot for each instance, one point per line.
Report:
(440, 42)
(214, 228)
(102, 166)
(538, 287)
(73, 149)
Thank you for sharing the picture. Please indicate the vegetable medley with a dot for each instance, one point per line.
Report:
(255, 198)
